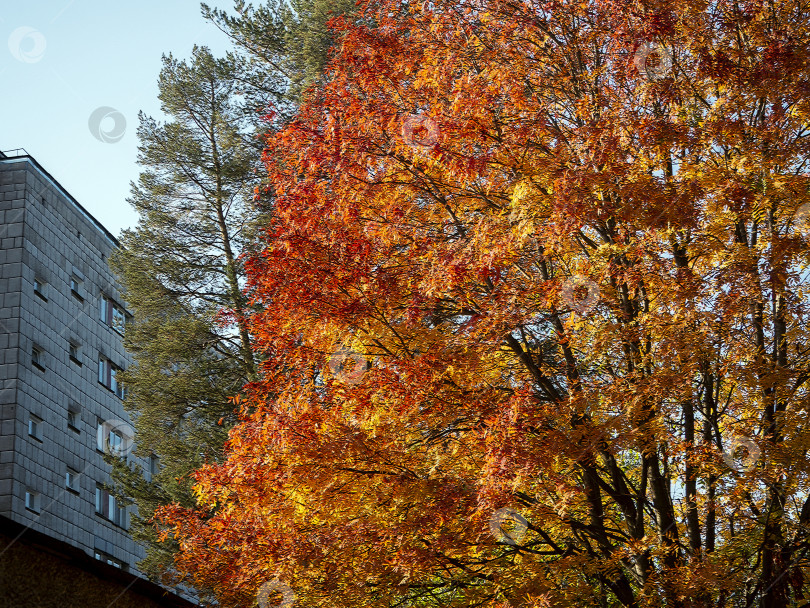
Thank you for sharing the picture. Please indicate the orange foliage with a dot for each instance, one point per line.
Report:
(535, 272)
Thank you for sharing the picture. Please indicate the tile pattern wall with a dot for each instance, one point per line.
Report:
(45, 237)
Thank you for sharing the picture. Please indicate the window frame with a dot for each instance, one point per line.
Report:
(71, 413)
(72, 480)
(104, 439)
(38, 357)
(119, 319)
(107, 376)
(112, 314)
(107, 507)
(39, 288)
(100, 438)
(32, 501)
(35, 427)
(154, 464)
(75, 346)
(109, 559)
(76, 287)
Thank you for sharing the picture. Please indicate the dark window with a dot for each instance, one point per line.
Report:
(108, 376)
(72, 480)
(39, 288)
(107, 506)
(35, 427)
(106, 557)
(75, 353)
(112, 314)
(76, 288)
(114, 384)
(32, 500)
(111, 439)
(73, 417)
(154, 465)
(38, 358)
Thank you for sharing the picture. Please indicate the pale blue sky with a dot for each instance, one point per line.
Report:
(80, 56)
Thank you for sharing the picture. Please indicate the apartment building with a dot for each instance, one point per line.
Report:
(61, 325)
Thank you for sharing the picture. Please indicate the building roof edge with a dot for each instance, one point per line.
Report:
(58, 186)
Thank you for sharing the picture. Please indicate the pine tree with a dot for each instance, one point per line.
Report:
(290, 40)
(180, 265)
(180, 269)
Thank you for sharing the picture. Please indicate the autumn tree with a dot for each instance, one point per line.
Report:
(533, 313)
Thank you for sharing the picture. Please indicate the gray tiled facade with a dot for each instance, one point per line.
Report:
(46, 236)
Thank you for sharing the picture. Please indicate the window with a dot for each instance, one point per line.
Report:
(108, 376)
(35, 427)
(107, 506)
(112, 439)
(114, 380)
(106, 557)
(32, 501)
(115, 440)
(112, 314)
(72, 480)
(75, 350)
(73, 417)
(38, 357)
(76, 287)
(39, 288)
(119, 320)
(154, 465)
